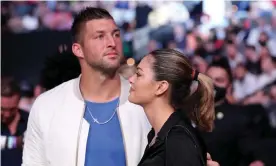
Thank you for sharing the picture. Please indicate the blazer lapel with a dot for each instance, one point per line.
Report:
(65, 132)
(83, 142)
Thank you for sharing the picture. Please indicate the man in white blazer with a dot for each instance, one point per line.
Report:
(63, 130)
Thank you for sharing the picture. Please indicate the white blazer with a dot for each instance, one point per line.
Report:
(57, 132)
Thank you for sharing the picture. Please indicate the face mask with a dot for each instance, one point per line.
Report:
(220, 93)
(262, 43)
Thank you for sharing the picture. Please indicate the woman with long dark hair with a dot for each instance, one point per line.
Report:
(177, 101)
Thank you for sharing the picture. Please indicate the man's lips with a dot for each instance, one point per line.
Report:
(112, 54)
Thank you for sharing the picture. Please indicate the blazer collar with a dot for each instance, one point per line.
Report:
(125, 86)
(172, 121)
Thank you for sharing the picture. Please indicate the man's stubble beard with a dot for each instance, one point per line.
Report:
(9, 120)
(106, 69)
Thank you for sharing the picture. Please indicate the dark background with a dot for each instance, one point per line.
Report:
(23, 55)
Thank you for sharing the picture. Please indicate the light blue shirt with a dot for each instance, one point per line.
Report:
(105, 145)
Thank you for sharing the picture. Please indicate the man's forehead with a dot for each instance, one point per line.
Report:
(10, 100)
(101, 25)
(216, 71)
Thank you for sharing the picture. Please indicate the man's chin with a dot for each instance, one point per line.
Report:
(113, 66)
(107, 68)
(6, 122)
(111, 70)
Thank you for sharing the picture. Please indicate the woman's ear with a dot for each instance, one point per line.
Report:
(162, 87)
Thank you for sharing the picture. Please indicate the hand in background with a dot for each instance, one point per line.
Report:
(210, 162)
(257, 163)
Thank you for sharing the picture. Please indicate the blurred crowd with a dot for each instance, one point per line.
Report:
(245, 41)
(27, 16)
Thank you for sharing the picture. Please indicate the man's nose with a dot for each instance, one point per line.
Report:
(111, 42)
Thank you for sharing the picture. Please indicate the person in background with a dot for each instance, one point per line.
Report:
(234, 57)
(244, 83)
(264, 53)
(128, 34)
(173, 94)
(252, 63)
(13, 123)
(268, 76)
(200, 64)
(28, 95)
(179, 37)
(38, 90)
(26, 99)
(263, 40)
(264, 150)
(231, 141)
(271, 106)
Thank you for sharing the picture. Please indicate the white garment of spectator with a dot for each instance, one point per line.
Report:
(266, 78)
(245, 87)
(123, 15)
(237, 60)
(255, 33)
(271, 47)
(160, 16)
(30, 22)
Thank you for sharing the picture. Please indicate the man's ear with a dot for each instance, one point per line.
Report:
(162, 87)
(76, 49)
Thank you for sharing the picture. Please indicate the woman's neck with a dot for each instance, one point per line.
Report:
(157, 114)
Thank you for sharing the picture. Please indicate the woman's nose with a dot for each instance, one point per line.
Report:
(130, 79)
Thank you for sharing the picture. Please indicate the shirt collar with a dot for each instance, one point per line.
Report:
(172, 121)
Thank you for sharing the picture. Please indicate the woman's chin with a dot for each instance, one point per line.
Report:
(131, 99)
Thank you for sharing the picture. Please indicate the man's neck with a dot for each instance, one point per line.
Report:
(13, 125)
(98, 87)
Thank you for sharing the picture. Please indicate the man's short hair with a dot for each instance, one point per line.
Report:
(9, 87)
(223, 64)
(87, 14)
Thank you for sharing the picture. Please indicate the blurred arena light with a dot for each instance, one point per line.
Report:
(130, 62)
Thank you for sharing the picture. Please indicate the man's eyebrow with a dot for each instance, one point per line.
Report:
(99, 31)
(116, 30)
(102, 31)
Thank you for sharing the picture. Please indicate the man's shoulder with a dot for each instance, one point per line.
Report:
(53, 96)
(49, 102)
(57, 91)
